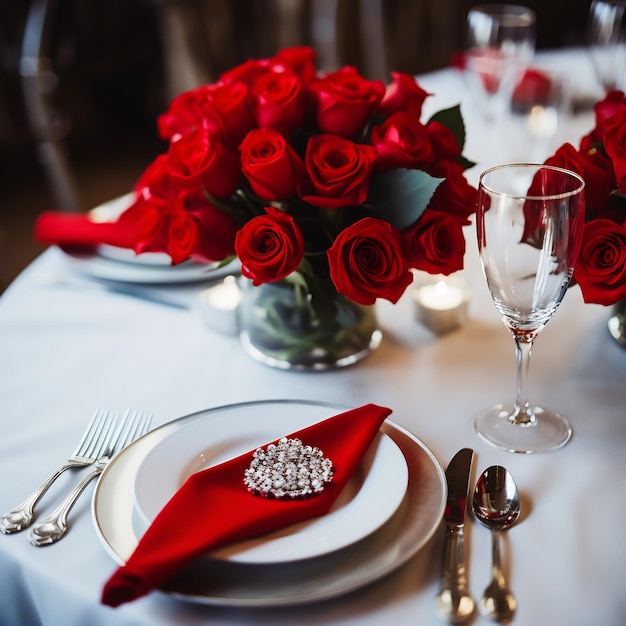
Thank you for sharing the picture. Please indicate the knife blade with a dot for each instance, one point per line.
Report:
(453, 601)
(147, 293)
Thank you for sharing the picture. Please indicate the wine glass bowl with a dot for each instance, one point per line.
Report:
(607, 42)
(529, 226)
(500, 46)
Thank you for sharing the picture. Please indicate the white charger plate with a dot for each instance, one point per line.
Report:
(370, 498)
(124, 265)
(223, 583)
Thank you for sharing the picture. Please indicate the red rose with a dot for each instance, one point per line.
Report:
(300, 60)
(344, 101)
(271, 166)
(269, 247)
(601, 266)
(615, 144)
(183, 114)
(454, 195)
(338, 171)
(443, 141)
(403, 94)
(246, 72)
(156, 181)
(223, 109)
(435, 243)
(606, 108)
(279, 101)
(551, 183)
(182, 236)
(597, 170)
(366, 262)
(197, 158)
(153, 216)
(200, 232)
(402, 141)
(566, 157)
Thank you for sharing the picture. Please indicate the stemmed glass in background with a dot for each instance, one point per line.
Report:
(529, 225)
(500, 46)
(607, 42)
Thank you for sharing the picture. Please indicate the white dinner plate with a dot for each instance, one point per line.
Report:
(225, 583)
(371, 497)
(124, 265)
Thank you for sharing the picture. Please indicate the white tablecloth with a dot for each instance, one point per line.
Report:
(65, 351)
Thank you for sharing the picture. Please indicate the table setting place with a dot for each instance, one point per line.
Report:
(308, 295)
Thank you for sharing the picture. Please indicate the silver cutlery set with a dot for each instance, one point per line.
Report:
(496, 505)
(107, 433)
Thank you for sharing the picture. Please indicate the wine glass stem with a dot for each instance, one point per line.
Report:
(522, 414)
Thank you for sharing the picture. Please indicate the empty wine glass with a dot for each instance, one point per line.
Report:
(607, 42)
(500, 46)
(529, 225)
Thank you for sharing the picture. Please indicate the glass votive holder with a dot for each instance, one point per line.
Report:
(219, 306)
(441, 302)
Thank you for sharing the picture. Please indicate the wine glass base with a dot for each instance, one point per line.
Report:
(550, 431)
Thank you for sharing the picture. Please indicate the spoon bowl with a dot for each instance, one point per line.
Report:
(496, 504)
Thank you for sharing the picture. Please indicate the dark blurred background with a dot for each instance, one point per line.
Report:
(82, 81)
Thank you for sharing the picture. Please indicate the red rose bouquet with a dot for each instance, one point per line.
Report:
(601, 161)
(327, 188)
(333, 176)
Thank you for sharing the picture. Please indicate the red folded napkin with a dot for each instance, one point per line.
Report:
(533, 87)
(79, 230)
(224, 511)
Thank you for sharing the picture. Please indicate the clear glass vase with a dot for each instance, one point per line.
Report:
(281, 328)
(617, 322)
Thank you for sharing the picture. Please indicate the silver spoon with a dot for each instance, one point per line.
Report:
(496, 504)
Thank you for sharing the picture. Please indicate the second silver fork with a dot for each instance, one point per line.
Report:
(133, 425)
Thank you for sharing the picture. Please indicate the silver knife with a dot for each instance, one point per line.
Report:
(453, 602)
(146, 293)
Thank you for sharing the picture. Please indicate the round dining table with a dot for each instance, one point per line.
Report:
(73, 344)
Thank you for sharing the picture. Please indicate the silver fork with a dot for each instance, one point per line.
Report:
(52, 528)
(89, 448)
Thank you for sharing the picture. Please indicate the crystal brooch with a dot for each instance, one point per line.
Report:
(288, 469)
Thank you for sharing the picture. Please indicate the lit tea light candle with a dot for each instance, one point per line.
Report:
(441, 305)
(219, 304)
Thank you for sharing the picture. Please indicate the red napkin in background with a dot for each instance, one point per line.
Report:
(534, 86)
(80, 231)
(224, 511)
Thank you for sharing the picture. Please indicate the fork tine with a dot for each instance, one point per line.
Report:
(145, 426)
(91, 432)
(142, 427)
(111, 424)
(136, 424)
(130, 419)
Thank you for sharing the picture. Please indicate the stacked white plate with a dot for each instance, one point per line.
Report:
(388, 511)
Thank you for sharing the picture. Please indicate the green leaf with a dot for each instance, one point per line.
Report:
(616, 200)
(453, 119)
(323, 294)
(226, 261)
(298, 279)
(466, 163)
(400, 196)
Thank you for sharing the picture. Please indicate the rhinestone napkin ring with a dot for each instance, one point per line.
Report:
(288, 469)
